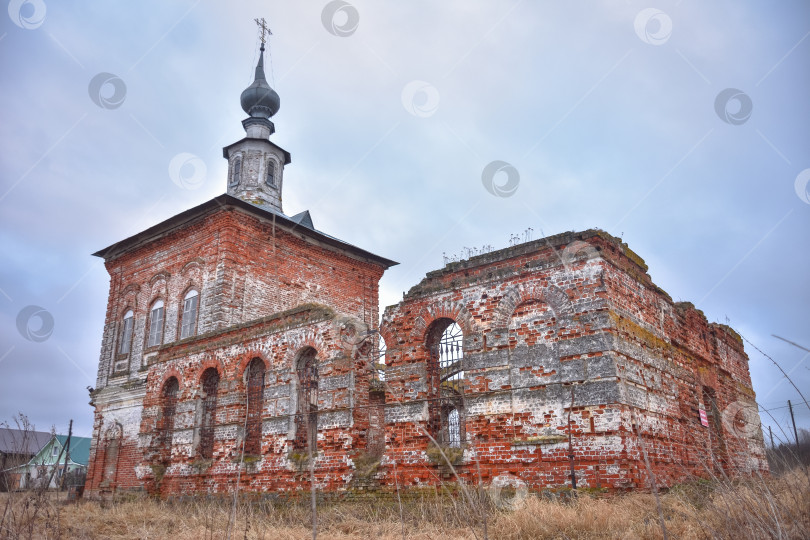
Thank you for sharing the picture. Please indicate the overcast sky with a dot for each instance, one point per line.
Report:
(681, 127)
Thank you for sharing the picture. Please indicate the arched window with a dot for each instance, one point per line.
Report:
(126, 332)
(446, 382)
(306, 420)
(156, 317)
(236, 172)
(210, 385)
(169, 407)
(188, 326)
(255, 395)
(270, 179)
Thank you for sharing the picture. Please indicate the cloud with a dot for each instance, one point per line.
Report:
(591, 116)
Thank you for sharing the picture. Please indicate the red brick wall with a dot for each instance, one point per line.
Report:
(565, 337)
(245, 269)
(573, 311)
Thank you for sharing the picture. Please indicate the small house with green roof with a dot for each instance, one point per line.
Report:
(40, 468)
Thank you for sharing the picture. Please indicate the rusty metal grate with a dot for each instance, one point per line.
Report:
(446, 381)
(453, 428)
(210, 384)
(255, 391)
(451, 353)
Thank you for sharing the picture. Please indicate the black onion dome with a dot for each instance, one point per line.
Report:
(258, 99)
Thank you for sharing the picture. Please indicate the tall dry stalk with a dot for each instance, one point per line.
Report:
(232, 517)
(650, 473)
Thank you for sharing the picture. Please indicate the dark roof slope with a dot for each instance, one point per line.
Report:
(17, 441)
(301, 224)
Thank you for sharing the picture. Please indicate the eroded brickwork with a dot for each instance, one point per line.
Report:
(569, 355)
(247, 267)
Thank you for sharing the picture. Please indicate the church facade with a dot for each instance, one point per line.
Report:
(244, 345)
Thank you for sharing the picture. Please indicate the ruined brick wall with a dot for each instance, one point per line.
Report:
(564, 339)
(569, 325)
(675, 363)
(279, 466)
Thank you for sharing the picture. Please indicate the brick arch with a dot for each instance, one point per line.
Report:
(513, 297)
(171, 372)
(190, 284)
(162, 275)
(129, 300)
(443, 310)
(132, 288)
(389, 335)
(154, 297)
(559, 302)
(205, 364)
(158, 289)
(309, 339)
(128, 305)
(389, 338)
(507, 305)
(245, 360)
(517, 295)
(194, 264)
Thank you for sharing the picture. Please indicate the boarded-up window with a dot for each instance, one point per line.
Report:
(210, 385)
(306, 419)
(255, 392)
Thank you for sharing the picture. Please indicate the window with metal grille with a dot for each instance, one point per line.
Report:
(210, 384)
(188, 327)
(166, 426)
(306, 419)
(255, 394)
(445, 371)
(126, 332)
(156, 316)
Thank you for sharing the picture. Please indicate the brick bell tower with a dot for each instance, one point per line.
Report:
(255, 164)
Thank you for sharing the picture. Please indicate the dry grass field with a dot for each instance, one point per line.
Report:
(776, 507)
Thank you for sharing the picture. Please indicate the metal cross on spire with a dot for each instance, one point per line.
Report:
(263, 29)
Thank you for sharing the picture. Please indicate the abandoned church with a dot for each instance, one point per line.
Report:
(245, 345)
